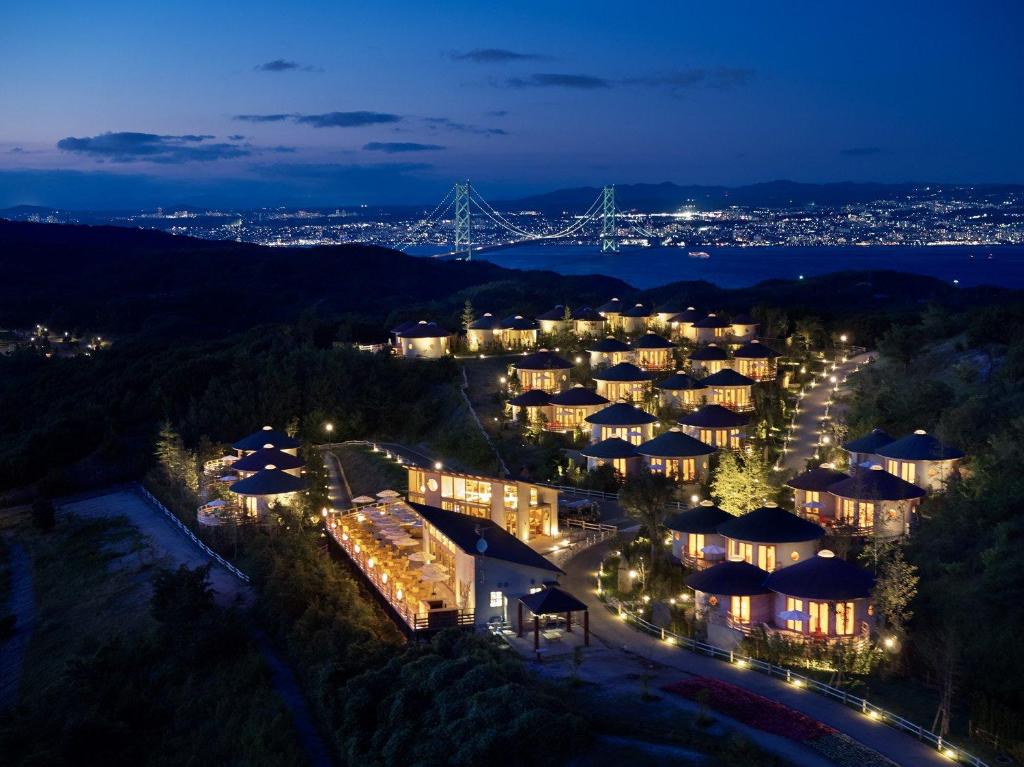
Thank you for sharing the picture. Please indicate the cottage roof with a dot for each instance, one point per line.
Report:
(269, 481)
(652, 341)
(919, 446)
(674, 444)
(637, 310)
(624, 371)
(613, 447)
(424, 329)
(542, 360)
(555, 313)
(691, 315)
(727, 377)
(743, 319)
(876, 484)
(258, 460)
(869, 443)
(516, 322)
(673, 307)
(609, 344)
(734, 579)
(714, 417)
(611, 307)
(712, 321)
(825, 577)
(620, 414)
(709, 353)
(679, 381)
(403, 326)
(552, 600)
(755, 350)
(588, 314)
(266, 436)
(701, 519)
(770, 524)
(487, 321)
(820, 478)
(531, 398)
(578, 395)
(465, 532)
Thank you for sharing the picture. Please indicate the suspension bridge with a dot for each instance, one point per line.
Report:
(603, 216)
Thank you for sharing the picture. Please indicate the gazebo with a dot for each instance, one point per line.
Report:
(553, 601)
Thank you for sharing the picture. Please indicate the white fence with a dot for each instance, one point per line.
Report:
(184, 528)
(869, 709)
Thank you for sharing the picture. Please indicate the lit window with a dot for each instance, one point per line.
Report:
(795, 556)
(497, 599)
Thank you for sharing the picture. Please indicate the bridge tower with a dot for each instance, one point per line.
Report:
(609, 242)
(463, 221)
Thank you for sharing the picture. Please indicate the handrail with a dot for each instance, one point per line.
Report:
(866, 707)
(148, 496)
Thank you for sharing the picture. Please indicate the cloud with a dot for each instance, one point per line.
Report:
(347, 119)
(860, 151)
(151, 147)
(16, 150)
(284, 65)
(236, 137)
(449, 124)
(263, 118)
(497, 113)
(721, 78)
(494, 56)
(557, 80)
(399, 147)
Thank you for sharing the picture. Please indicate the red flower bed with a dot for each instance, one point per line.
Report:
(753, 710)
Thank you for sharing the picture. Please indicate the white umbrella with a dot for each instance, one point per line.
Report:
(421, 556)
(394, 534)
(404, 543)
(813, 505)
(363, 499)
(793, 615)
(388, 494)
(713, 549)
(433, 577)
(434, 569)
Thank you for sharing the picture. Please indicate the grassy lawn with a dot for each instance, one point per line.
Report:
(368, 472)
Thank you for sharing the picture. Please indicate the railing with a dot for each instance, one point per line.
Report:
(148, 496)
(604, 496)
(869, 709)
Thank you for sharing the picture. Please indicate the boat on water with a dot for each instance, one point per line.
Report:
(698, 254)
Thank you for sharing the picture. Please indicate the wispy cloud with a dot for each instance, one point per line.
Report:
(494, 56)
(400, 147)
(274, 118)
(347, 119)
(285, 65)
(558, 80)
(151, 147)
(453, 125)
(860, 151)
(720, 78)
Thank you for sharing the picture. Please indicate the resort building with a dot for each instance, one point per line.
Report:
(266, 437)
(612, 313)
(811, 497)
(662, 317)
(709, 359)
(480, 333)
(589, 323)
(556, 320)
(823, 597)
(771, 537)
(634, 319)
(863, 451)
(516, 332)
(615, 452)
(424, 340)
(756, 361)
(569, 408)
(258, 460)
(677, 455)
(696, 542)
(270, 485)
(730, 390)
(681, 325)
(608, 351)
(654, 352)
(534, 403)
(743, 329)
(624, 381)
(525, 510)
(711, 328)
(542, 370)
(681, 391)
(875, 502)
(921, 459)
(716, 426)
(622, 420)
(732, 598)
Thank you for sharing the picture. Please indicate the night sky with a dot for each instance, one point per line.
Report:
(108, 105)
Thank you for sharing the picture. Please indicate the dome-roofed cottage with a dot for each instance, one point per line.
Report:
(623, 381)
(696, 541)
(681, 391)
(653, 352)
(542, 370)
(681, 325)
(268, 485)
(664, 313)
(732, 594)
(757, 361)
(608, 351)
(516, 332)
(677, 455)
(771, 537)
(864, 450)
(921, 459)
(617, 453)
(730, 390)
(424, 340)
(268, 455)
(480, 333)
(711, 328)
(556, 320)
(635, 318)
(612, 313)
(534, 404)
(589, 323)
(812, 501)
(875, 502)
(823, 597)
(268, 436)
(743, 328)
(716, 426)
(570, 407)
(710, 358)
(622, 420)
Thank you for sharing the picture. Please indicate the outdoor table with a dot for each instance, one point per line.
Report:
(552, 635)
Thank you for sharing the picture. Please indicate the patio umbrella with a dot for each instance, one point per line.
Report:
(433, 569)
(813, 505)
(388, 494)
(404, 543)
(713, 550)
(421, 556)
(793, 615)
(363, 499)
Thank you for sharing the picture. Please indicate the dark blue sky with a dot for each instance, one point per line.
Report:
(258, 103)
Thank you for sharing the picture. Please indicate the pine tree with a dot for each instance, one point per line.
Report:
(467, 315)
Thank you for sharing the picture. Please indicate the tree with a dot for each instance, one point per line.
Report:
(178, 463)
(739, 485)
(895, 583)
(44, 516)
(468, 318)
(645, 498)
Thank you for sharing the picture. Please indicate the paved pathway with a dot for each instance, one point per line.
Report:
(613, 632)
(804, 437)
(22, 605)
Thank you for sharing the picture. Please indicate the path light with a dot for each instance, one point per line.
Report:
(889, 642)
(694, 499)
(633, 574)
(843, 338)
(647, 598)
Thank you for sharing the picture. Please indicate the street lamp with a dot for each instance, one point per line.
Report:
(328, 427)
